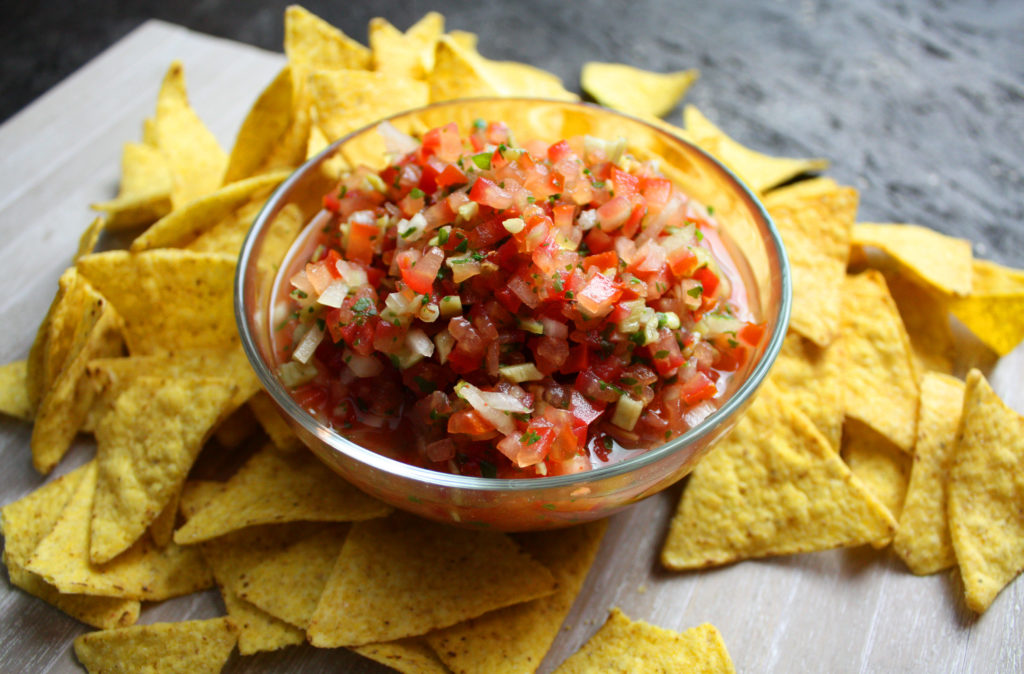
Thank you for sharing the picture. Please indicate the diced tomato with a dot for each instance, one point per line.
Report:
(708, 281)
(698, 388)
(665, 353)
(311, 397)
(451, 175)
(614, 213)
(623, 183)
(605, 260)
(751, 333)
(469, 422)
(508, 299)
(598, 295)
(579, 359)
(331, 202)
(559, 151)
(682, 261)
(486, 192)
(598, 241)
(361, 240)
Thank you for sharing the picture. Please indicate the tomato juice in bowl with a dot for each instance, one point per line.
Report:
(498, 328)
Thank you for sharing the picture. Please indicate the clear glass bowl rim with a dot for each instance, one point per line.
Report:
(521, 485)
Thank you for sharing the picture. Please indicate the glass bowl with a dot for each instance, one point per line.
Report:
(538, 502)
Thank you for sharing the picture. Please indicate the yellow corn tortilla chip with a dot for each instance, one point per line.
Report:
(265, 141)
(161, 530)
(55, 335)
(258, 631)
(188, 647)
(277, 429)
(90, 237)
(346, 100)
(274, 487)
(932, 259)
(145, 193)
(771, 487)
(409, 656)
(228, 235)
(809, 375)
(143, 572)
(402, 576)
(194, 293)
(14, 390)
(880, 384)
(815, 226)
(634, 91)
(237, 428)
(523, 79)
(311, 42)
(145, 447)
(624, 645)
(925, 315)
(463, 38)
(287, 583)
(65, 406)
(24, 523)
(994, 311)
(183, 225)
(986, 490)
(408, 54)
(760, 171)
(195, 159)
(922, 540)
(516, 638)
(317, 142)
(882, 468)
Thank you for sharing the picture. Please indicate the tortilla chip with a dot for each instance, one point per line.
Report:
(195, 159)
(185, 224)
(880, 384)
(760, 171)
(101, 612)
(66, 404)
(317, 142)
(809, 376)
(90, 237)
(624, 645)
(143, 572)
(932, 259)
(402, 576)
(409, 656)
(409, 54)
(994, 311)
(55, 335)
(815, 227)
(14, 390)
(145, 193)
(236, 428)
(771, 487)
(926, 318)
(280, 433)
(161, 530)
(634, 91)
(227, 236)
(287, 583)
(194, 291)
(258, 631)
(880, 466)
(346, 100)
(145, 447)
(523, 79)
(273, 487)
(460, 73)
(463, 38)
(312, 43)
(922, 540)
(190, 647)
(986, 490)
(516, 638)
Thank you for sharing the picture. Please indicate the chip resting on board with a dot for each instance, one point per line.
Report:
(191, 647)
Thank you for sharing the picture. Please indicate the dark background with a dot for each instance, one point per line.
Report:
(918, 104)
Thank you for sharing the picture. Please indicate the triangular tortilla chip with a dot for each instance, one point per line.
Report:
(994, 311)
(771, 487)
(516, 638)
(459, 73)
(925, 315)
(760, 171)
(161, 529)
(882, 468)
(194, 293)
(402, 576)
(90, 237)
(809, 375)
(986, 490)
(287, 583)
(237, 428)
(408, 656)
(312, 43)
(145, 447)
(922, 540)
(195, 159)
(277, 429)
(14, 390)
(143, 572)
(815, 228)
(635, 91)
(40, 370)
(346, 100)
(408, 54)
(184, 647)
(624, 645)
(183, 225)
(933, 259)
(145, 193)
(880, 383)
(274, 487)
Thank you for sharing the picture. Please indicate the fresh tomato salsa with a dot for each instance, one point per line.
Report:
(496, 307)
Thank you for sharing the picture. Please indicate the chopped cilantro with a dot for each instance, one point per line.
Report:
(529, 438)
(695, 291)
(416, 193)
(425, 386)
(662, 353)
(463, 246)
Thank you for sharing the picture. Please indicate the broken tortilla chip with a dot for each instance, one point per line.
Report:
(922, 540)
(809, 375)
(188, 647)
(932, 259)
(624, 645)
(14, 390)
(880, 383)
(771, 487)
(634, 91)
(986, 490)
(994, 311)
(403, 576)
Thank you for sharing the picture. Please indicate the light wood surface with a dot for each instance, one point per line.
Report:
(842, 611)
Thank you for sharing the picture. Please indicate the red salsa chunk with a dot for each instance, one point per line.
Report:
(498, 309)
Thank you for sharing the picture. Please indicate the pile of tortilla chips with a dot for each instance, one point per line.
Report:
(862, 436)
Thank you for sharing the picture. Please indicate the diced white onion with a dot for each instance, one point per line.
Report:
(587, 219)
(553, 328)
(334, 294)
(304, 351)
(396, 143)
(362, 366)
(295, 374)
(418, 342)
(492, 405)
